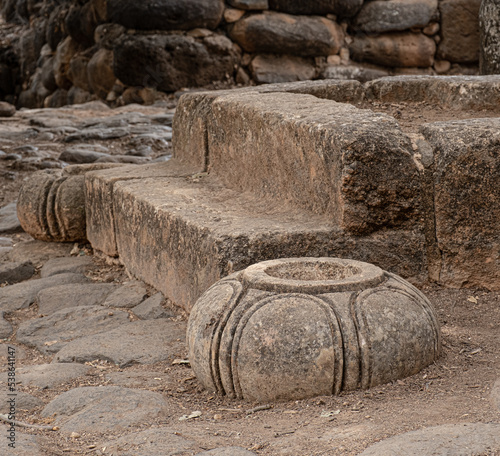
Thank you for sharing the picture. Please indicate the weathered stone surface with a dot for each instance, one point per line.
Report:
(456, 439)
(139, 342)
(106, 35)
(38, 252)
(11, 273)
(61, 297)
(284, 34)
(401, 49)
(151, 442)
(65, 52)
(346, 72)
(466, 170)
(65, 264)
(139, 379)
(170, 62)
(97, 133)
(27, 445)
(296, 328)
(269, 69)
(23, 401)
(129, 295)
(250, 4)
(360, 199)
(9, 223)
(152, 308)
(450, 92)
(166, 14)
(495, 394)
(21, 295)
(100, 72)
(6, 109)
(58, 99)
(382, 16)
(5, 327)
(50, 375)
(344, 8)
(227, 451)
(78, 71)
(77, 155)
(103, 409)
(489, 32)
(459, 30)
(49, 334)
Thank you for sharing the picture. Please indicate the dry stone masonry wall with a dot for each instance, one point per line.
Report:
(122, 51)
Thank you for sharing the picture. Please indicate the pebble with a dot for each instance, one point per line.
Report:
(38, 252)
(21, 295)
(103, 409)
(9, 223)
(152, 308)
(62, 297)
(51, 333)
(138, 342)
(46, 376)
(11, 273)
(61, 265)
(129, 295)
(6, 109)
(151, 442)
(448, 439)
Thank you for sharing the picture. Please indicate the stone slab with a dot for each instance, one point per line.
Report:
(291, 148)
(449, 439)
(5, 327)
(50, 334)
(102, 409)
(139, 342)
(23, 401)
(26, 445)
(152, 308)
(12, 273)
(227, 451)
(466, 172)
(50, 375)
(139, 379)
(151, 442)
(65, 264)
(61, 297)
(129, 295)
(207, 231)
(495, 394)
(38, 252)
(9, 223)
(22, 295)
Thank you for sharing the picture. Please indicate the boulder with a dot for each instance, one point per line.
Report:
(100, 73)
(56, 31)
(382, 16)
(279, 33)
(166, 14)
(459, 30)
(48, 79)
(78, 71)
(344, 8)
(6, 109)
(394, 49)
(489, 26)
(169, 62)
(269, 69)
(250, 4)
(80, 24)
(65, 52)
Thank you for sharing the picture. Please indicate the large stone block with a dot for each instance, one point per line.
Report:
(344, 8)
(269, 69)
(277, 33)
(101, 77)
(394, 49)
(166, 14)
(382, 16)
(459, 30)
(170, 62)
(466, 173)
(294, 328)
(329, 158)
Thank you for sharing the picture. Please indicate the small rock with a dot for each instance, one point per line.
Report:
(5, 327)
(64, 264)
(38, 252)
(6, 109)
(28, 150)
(139, 342)
(129, 295)
(12, 157)
(227, 451)
(23, 401)
(151, 442)
(152, 308)
(21, 295)
(11, 273)
(61, 297)
(50, 334)
(105, 408)
(9, 223)
(268, 69)
(49, 375)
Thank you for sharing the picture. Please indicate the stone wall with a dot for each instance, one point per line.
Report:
(122, 51)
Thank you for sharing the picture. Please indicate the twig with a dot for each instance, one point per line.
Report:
(26, 425)
(259, 408)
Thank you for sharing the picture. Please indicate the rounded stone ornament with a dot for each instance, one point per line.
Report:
(294, 328)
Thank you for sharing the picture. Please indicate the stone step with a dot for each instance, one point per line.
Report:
(182, 232)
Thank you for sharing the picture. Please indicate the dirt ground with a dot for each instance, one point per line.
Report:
(456, 389)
